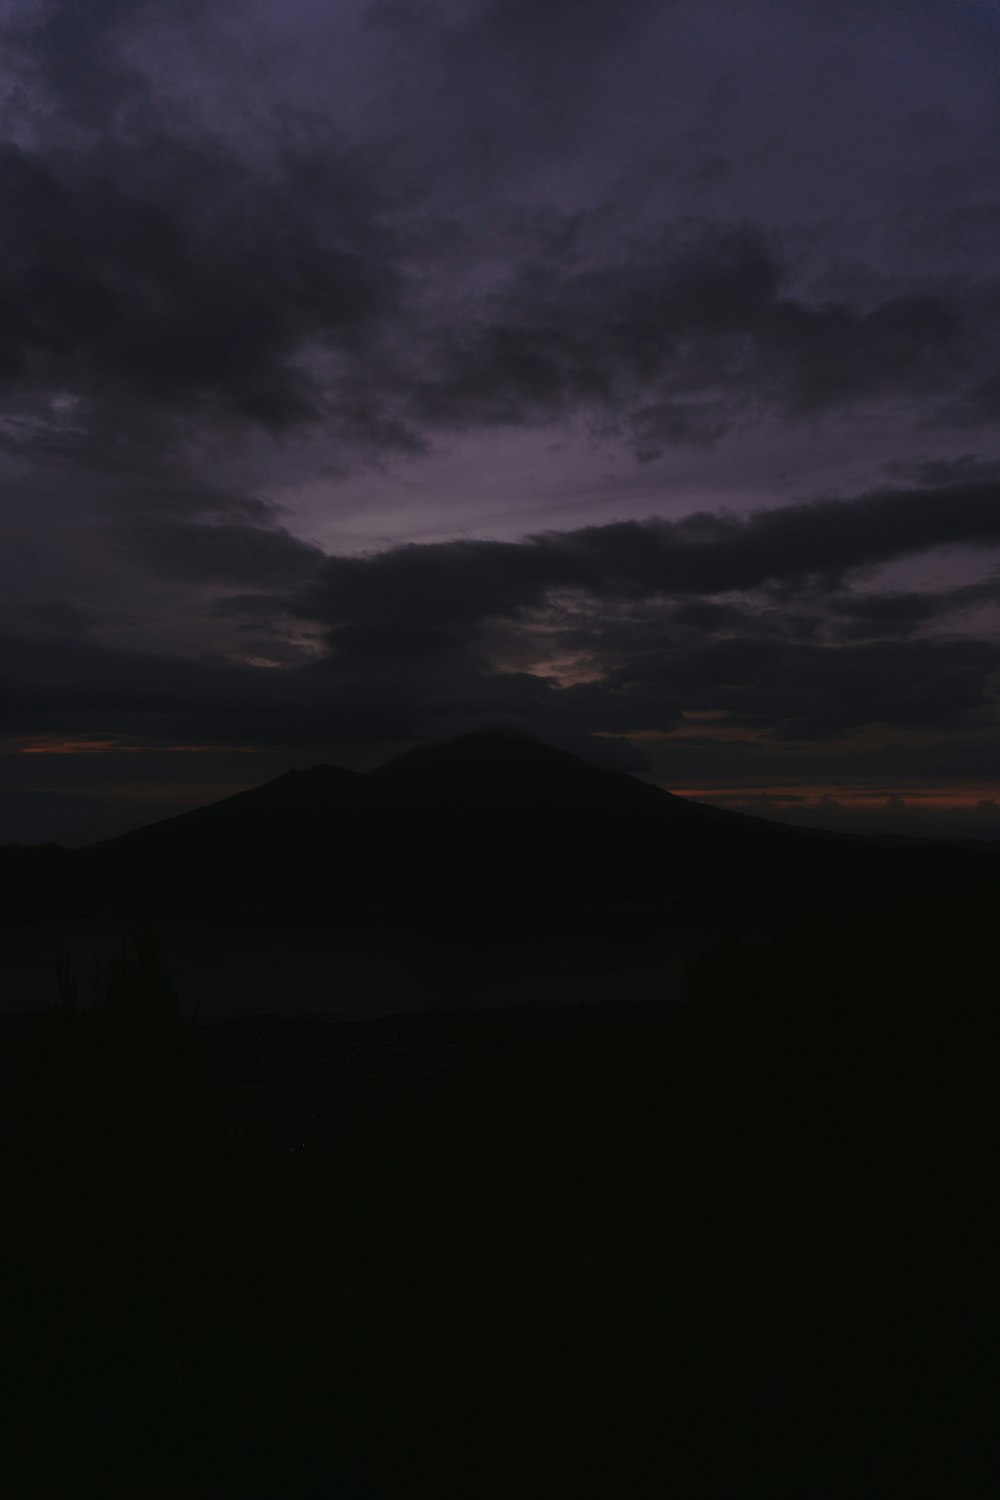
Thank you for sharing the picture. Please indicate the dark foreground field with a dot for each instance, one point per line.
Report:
(742, 1247)
(364, 971)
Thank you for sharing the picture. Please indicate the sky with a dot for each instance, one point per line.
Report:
(622, 371)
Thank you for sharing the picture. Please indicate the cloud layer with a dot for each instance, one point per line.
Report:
(598, 297)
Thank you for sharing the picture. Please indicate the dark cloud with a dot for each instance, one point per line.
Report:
(555, 56)
(465, 64)
(231, 554)
(978, 405)
(461, 583)
(178, 275)
(617, 603)
(866, 615)
(149, 263)
(183, 277)
(967, 468)
(367, 693)
(374, 690)
(681, 341)
(401, 269)
(800, 690)
(61, 618)
(881, 614)
(150, 254)
(628, 611)
(73, 687)
(74, 55)
(569, 32)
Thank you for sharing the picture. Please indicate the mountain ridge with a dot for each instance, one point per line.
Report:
(492, 822)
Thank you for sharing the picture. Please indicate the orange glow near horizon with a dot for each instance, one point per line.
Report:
(713, 728)
(804, 796)
(57, 745)
(816, 798)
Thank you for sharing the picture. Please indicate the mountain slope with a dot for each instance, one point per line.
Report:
(271, 847)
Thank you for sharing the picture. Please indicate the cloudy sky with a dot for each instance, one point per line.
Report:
(627, 371)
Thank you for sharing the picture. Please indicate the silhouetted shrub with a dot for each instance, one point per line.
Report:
(130, 992)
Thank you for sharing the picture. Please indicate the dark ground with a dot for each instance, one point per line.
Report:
(742, 1247)
(366, 971)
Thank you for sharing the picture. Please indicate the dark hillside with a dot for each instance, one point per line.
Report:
(276, 847)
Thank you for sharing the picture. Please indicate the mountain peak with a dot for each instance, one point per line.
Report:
(500, 750)
(503, 738)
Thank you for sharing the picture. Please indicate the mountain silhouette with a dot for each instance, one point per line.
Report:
(490, 823)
